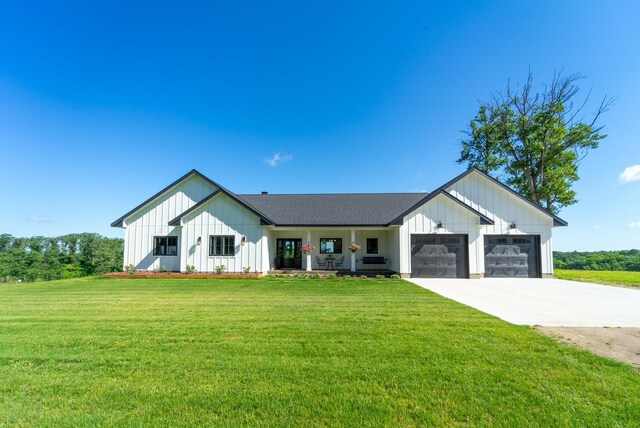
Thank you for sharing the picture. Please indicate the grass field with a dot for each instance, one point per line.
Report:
(287, 352)
(609, 277)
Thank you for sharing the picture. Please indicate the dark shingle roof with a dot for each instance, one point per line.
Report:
(353, 209)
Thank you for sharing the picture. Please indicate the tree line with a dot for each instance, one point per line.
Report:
(628, 260)
(70, 256)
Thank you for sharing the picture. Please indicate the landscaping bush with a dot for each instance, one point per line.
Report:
(220, 269)
(191, 269)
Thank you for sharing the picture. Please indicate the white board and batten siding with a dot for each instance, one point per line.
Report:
(222, 216)
(505, 208)
(455, 219)
(153, 220)
(491, 200)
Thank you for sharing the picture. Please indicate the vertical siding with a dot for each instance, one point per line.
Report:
(153, 220)
(504, 208)
(455, 220)
(222, 216)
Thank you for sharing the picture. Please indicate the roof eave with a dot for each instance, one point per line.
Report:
(557, 221)
(120, 221)
(328, 225)
(221, 190)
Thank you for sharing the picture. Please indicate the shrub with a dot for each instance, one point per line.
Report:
(395, 276)
(364, 277)
(130, 268)
(316, 276)
(220, 269)
(346, 277)
(191, 269)
(246, 269)
(332, 276)
(380, 276)
(164, 269)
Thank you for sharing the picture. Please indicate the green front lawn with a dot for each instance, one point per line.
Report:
(287, 352)
(608, 277)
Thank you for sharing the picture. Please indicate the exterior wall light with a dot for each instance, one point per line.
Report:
(512, 225)
(439, 225)
(243, 240)
(199, 240)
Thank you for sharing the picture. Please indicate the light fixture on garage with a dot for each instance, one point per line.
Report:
(243, 240)
(512, 225)
(199, 240)
(439, 225)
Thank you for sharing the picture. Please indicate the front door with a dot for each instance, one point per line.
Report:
(289, 253)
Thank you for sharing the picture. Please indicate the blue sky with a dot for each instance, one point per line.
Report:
(102, 105)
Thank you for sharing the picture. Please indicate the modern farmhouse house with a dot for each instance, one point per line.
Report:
(471, 227)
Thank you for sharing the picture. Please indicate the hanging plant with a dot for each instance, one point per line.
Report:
(353, 247)
(307, 249)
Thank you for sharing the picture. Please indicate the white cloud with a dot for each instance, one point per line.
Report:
(418, 190)
(278, 158)
(633, 225)
(630, 173)
(596, 226)
(39, 219)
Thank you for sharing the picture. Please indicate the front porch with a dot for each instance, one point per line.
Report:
(378, 255)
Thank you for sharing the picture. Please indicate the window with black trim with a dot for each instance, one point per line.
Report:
(372, 245)
(165, 246)
(222, 245)
(330, 245)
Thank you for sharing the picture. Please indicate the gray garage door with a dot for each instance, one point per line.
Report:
(512, 256)
(439, 256)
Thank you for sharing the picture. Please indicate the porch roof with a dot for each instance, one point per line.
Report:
(338, 209)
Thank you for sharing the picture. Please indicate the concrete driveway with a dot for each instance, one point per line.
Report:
(545, 302)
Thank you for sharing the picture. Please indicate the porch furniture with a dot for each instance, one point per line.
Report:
(374, 260)
(329, 260)
(339, 261)
(321, 263)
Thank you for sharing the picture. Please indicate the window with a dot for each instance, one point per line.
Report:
(165, 246)
(497, 240)
(522, 240)
(222, 245)
(330, 245)
(425, 239)
(372, 245)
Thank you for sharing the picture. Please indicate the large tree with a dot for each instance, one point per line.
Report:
(535, 140)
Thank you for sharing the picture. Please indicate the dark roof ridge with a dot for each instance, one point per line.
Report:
(331, 194)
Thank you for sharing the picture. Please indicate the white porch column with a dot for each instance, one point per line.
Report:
(266, 259)
(308, 255)
(353, 255)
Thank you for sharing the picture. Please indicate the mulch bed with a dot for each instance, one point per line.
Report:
(181, 275)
